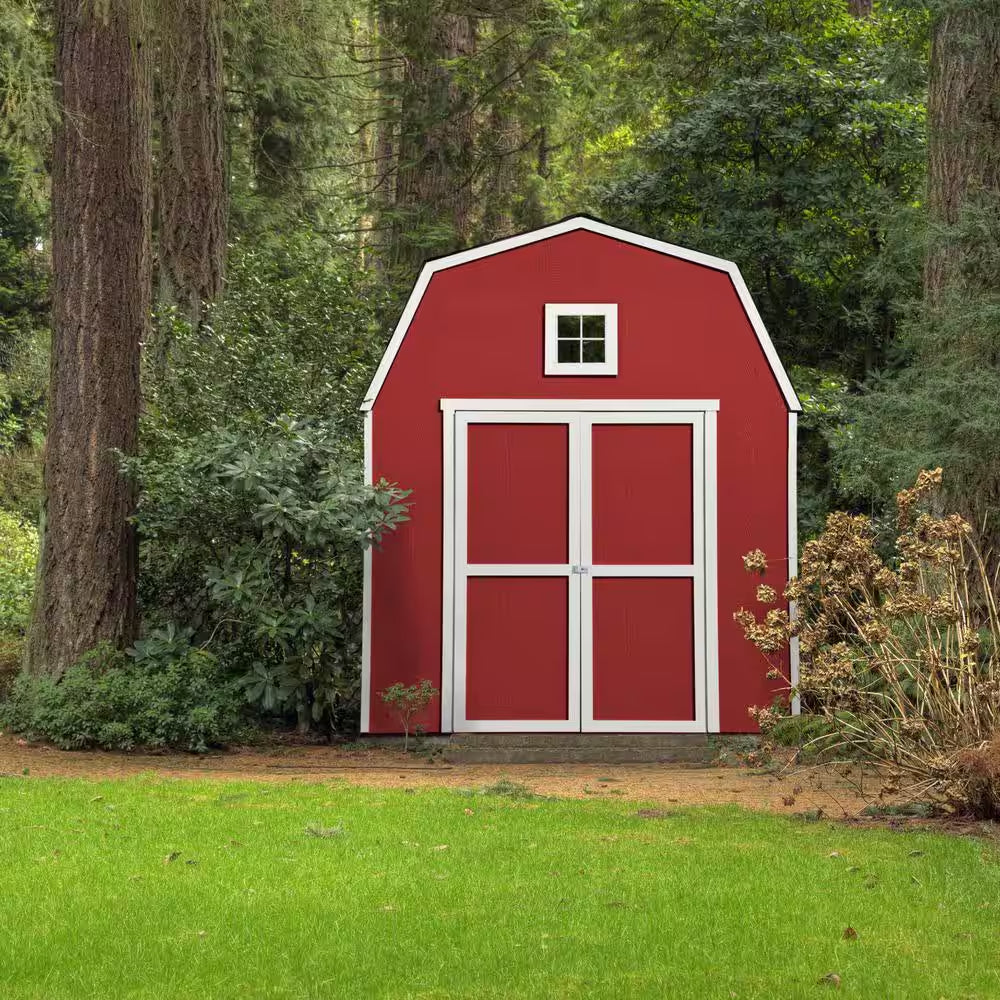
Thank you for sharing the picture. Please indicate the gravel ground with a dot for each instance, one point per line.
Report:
(781, 788)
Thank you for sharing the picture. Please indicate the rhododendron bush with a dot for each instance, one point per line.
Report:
(902, 656)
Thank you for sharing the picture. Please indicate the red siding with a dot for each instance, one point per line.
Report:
(478, 333)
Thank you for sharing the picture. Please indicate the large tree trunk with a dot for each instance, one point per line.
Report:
(434, 183)
(101, 300)
(192, 166)
(963, 112)
(860, 8)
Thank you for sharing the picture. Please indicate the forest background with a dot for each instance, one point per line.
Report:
(211, 211)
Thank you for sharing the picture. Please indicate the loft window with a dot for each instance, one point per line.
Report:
(581, 339)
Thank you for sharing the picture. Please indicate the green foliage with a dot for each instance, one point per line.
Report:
(169, 695)
(23, 339)
(789, 155)
(408, 701)
(825, 402)
(18, 554)
(253, 539)
(801, 731)
(939, 406)
(298, 333)
(295, 95)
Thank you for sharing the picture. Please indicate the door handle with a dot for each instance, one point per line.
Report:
(581, 569)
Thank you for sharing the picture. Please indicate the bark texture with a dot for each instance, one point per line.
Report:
(434, 183)
(860, 8)
(192, 195)
(963, 121)
(101, 299)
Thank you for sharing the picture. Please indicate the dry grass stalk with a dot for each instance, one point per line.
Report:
(902, 660)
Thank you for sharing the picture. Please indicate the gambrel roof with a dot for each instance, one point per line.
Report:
(569, 225)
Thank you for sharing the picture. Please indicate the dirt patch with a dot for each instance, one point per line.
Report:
(787, 791)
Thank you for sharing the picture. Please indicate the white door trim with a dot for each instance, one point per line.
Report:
(583, 405)
(457, 417)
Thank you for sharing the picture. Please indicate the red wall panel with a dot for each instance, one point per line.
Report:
(518, 493)
(642, 494)
(517, 648)
(479, 333)
(643, 648)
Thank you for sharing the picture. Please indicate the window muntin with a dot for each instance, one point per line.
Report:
(581, 339)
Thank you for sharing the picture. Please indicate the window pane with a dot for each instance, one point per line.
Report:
(569, 351)
(569, 326)
(593, 327)
(593, 351)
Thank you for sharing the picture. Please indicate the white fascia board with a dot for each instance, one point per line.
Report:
(603, 229)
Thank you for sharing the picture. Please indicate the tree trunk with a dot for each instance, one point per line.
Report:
(963, 123)
(101, 184)
(434, 191)
(192, 195)
(860, 8)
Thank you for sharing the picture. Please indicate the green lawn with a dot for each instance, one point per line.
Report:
(166, 889)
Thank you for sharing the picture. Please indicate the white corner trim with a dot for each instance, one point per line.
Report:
(584, 405)
(793, 545)
(448, 575)
(366, 599)
(553, 312)
(712, 686)
(558, 229)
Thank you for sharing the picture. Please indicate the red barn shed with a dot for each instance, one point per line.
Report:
(596, 428)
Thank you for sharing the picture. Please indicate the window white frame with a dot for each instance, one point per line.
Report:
(608, 310)
(580, 416)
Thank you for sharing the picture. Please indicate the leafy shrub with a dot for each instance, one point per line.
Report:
(408, 702)
(253, 540)
(298, 332)
(18, 554)
(799, 730)
(168, 694)
(903, 663)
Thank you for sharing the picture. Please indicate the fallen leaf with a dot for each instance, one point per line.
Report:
(172, 856)
(850, 934)
(440, 847)
(202, 934)
(830, 979)
(916, 854)
(835, 854)
(468, 812)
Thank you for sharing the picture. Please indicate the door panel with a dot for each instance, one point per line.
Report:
(518, 493)
(517, 611)
(643, 493)
(643, 648)
(518, 648)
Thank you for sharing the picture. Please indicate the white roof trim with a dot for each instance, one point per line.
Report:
(603, 229)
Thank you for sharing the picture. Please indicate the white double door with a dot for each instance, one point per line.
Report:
(575, 560)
